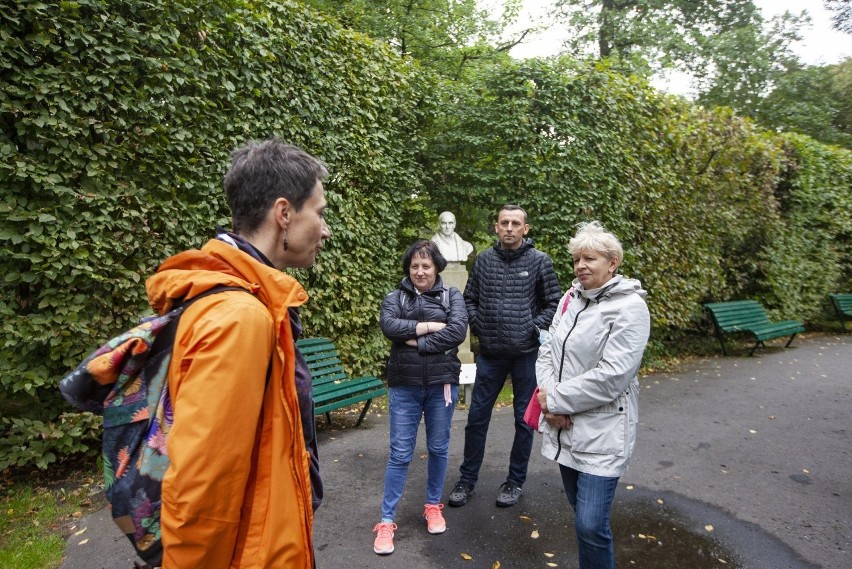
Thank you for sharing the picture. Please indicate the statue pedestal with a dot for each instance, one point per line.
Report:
(455, 275)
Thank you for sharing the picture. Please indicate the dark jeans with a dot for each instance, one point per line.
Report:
(591, 497)
(491, 375)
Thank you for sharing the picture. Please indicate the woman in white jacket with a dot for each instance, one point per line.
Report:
(588, 386)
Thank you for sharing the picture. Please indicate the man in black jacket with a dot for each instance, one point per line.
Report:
(511, 295)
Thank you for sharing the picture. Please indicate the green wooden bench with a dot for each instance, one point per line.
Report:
(333, 388)
(843, 306)
(749, 317)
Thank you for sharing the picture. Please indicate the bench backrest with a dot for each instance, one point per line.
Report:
(843, 301)
(322, 359)
(736, 315)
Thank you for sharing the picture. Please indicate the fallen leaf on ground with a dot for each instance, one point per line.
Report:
(630, 487)
(708, 527)
(752, 431)
(534, 534)
(806, 471)
(524, 518)
(84, 542)
(81, 531)
(552, 564)
(496, 565)
(466, 557)
(549, 554)
(660, 501)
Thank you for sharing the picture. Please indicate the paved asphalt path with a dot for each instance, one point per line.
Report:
(742, 462)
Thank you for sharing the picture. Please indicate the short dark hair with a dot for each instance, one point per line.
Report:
(513, 207)
(262, 172)
(424, 248)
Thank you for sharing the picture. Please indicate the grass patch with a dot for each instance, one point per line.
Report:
(504, 399)
(37, 510)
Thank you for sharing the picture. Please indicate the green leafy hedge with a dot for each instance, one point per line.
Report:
(116, 121)
(709, 206)
(811, 255)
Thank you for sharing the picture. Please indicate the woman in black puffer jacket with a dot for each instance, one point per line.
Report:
(425, 323)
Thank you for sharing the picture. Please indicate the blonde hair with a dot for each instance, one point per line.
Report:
(591, 236)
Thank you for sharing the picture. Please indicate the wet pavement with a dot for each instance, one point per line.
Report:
(740, 463)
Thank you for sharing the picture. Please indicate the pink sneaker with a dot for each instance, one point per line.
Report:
(384, 537)
(434, 519)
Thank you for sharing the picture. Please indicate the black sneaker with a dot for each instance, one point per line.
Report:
(508, 494)
(461, 492)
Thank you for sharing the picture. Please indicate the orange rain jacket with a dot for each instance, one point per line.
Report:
(237, 493)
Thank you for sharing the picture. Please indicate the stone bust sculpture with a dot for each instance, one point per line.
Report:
(452, 247)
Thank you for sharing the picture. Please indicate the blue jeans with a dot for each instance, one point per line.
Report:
(491, 375)
(407, 406)
(591, 497)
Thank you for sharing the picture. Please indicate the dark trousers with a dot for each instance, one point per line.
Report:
(491, 375)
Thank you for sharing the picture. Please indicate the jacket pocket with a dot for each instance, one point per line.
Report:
(602, 430)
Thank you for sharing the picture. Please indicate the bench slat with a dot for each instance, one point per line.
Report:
(350, 401)
(330, 390)
(333, 389)
(346, 392)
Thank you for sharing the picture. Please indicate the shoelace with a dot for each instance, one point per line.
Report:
(385, 529)
(433, 510)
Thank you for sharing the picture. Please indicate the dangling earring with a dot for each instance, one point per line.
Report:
(286, 243)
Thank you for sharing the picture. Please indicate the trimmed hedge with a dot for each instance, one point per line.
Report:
(116, 121)
(117, 117)
(708, 205)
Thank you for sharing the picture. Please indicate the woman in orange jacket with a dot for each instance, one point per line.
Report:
(244, 481)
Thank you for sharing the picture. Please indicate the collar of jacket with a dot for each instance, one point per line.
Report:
(407, 286)
(512, 254)
(599, 294)
(192, 272)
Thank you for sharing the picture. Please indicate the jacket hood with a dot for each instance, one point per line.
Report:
(509, 254)
(193, 272)
(619, 284)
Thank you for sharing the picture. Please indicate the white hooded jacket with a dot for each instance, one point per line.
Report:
(589, 366)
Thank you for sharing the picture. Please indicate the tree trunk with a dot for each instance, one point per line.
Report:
(605, 20)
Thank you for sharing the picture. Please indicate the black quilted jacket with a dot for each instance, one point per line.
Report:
(510, 295)
(435, 360)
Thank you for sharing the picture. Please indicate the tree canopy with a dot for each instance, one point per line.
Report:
(650, 35)
(443, 35)
(813, 100)
(841, 17)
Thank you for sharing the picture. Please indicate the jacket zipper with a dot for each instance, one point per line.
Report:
(561, 367)
(425, 372)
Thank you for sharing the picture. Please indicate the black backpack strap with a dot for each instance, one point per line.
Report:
(182, 303)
